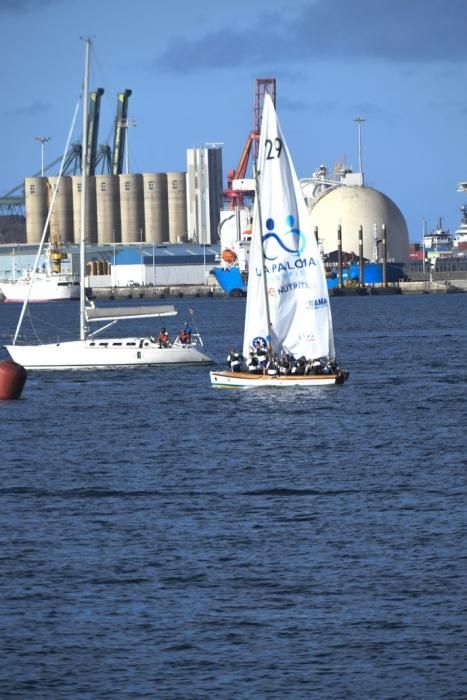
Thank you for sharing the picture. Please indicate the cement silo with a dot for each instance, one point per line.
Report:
(156, 212)
(131, 207)
(108, 209)
(90, 226)
(61, 218)
(354, 206)
(177, 206)
(37, 206)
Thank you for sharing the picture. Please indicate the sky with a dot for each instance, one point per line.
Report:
(192, 65)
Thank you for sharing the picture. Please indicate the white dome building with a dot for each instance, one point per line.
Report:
(354, 206)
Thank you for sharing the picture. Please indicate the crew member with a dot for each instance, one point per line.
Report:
(184, 336)
(164, 340)
(235, 361)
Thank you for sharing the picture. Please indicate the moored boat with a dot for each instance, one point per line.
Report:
(52, 283)
(89, 351)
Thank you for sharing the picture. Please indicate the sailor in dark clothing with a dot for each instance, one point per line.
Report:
(235, 360)
(253, 364)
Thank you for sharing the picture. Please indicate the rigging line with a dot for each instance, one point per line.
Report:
(46, 225)
(34, 327)
(53, 326)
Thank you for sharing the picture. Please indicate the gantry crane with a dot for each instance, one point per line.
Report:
(120, 132)
(12, 202)
(235, 195)
(93, 129)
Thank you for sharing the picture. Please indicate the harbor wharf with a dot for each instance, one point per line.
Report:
(214, 290)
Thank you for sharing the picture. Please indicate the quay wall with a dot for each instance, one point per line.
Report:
(212, 289)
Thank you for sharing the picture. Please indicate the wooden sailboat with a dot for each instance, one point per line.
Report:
(288, 323)
(90, 351)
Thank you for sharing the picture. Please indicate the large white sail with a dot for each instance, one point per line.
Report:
(284, 249)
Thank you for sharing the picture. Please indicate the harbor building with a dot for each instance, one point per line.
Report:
(61, 218)
(156, 212)
(176, 206)
(109, 227)
(91, 210)
(352, 206)
(37, 206)
(131, 207)
(204, 192)
(120, 264)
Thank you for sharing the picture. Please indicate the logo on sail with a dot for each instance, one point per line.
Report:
(317, 303)
(292, 240)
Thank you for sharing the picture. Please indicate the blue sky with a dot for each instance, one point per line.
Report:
(400, 64)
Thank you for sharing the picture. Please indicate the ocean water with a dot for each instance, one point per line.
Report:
(163, 539)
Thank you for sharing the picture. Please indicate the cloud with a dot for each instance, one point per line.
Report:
(31, 110)
(398, 31)
(22, 7)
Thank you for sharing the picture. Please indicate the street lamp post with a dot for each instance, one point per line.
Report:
(42, 140)
(359, 121)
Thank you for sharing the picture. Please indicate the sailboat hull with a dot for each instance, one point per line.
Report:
(243, 379)
(108, 353)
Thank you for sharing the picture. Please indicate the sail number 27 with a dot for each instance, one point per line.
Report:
(273, 148)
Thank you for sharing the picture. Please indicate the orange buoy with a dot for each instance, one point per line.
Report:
(12, 380)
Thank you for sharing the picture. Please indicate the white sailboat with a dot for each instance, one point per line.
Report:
(287, 310)
(91, 352)
(52, 283)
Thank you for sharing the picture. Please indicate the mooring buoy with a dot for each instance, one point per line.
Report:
(12, 380)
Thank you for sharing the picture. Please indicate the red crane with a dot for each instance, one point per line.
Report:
(236, 196)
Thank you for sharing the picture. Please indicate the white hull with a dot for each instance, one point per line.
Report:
(243, 379)
(104, 353)
(45, 288)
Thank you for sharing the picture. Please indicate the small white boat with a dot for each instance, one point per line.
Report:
(288, 312)
(50, 284)
(89, 351)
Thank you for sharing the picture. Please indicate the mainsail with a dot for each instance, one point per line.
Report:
(287, 300)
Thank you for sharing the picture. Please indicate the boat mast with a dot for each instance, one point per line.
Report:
(82, 258)
(265, 284)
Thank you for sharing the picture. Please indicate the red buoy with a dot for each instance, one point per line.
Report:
(12, 380)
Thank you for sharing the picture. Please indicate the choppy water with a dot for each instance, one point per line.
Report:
(163, 539)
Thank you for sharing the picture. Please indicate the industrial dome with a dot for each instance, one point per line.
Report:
(355, 206)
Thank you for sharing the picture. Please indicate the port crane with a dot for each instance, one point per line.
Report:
(120, 132)
(238, 186)
(109, 160)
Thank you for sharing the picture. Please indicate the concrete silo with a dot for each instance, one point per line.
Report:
(156, 212)
(90, 226)
(177, 206)
(131, 208)
(354, 206)
(61, 218)
(37, 206)
(108, 209)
